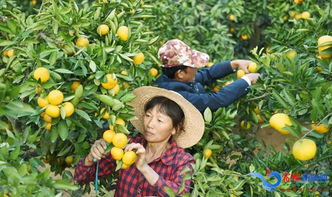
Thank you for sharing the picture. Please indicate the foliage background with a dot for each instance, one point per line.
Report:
(39, 33)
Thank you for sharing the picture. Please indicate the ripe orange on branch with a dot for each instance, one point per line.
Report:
(138, 59)
(123, 33)
(129, 158)
(111, 82)
(304, 149)
(103, 29)
(82, 42)
(279, 121)
(41, 74)
(55, 97)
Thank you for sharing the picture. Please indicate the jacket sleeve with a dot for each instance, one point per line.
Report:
(181, 182)
(84, 174)
(206, 76)
(222, 98)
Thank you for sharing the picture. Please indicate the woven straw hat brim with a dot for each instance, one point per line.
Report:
(193, 124)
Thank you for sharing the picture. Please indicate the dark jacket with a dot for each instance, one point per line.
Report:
(194, 91)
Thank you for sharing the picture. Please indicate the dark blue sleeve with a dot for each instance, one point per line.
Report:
(206, 76)
(222, 98)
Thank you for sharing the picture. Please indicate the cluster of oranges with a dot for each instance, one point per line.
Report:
(53, 101)
(123, 33)
(303, 149)
(252, 68)
(119, 141)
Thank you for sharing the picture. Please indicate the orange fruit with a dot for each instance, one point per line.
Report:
(117, 153)
(116, 89)
(125, 85)
(48, 126)
(103, 29)
(305, 15)
(231, 17)
(298, 1)
(42, 102)
(304, 149)
(106, 115)
(209, 64)
(4, 53)
(69, 108)
(108, 135)
(120, 140)
(120, 121)
(55, 97)
(82, 42)
(245, 125)
(33, 2)
(207, 153)
(124, 72)
(41, 74)
(47, 118)
(10, 52)
(252, 67)
(322, 40)
(291, 54)
(319, 69)
(74, 85)
(111, 127)
(111, 82)
(322, 128)
(138, 59)
(52, 111)
(244, 37)
(279, 121)
(123, 33)
(232, 30)
(153, 72)
(129, 158)
(125, 166)
(69, 50)
(69, 160)
(216, 88)
(240, 73)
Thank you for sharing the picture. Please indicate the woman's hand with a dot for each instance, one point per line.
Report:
(97, 151)
(141, 162)
(241, 64)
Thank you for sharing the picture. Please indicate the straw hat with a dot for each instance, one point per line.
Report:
(193, 120)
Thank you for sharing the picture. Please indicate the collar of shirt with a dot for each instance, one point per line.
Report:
(168, 156)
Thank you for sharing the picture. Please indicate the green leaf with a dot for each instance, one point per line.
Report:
(208, 115)
(83, 114)
(63, 130)
(127, 97)
(93, 66)
(6, 42)
(62, 70)
(118, 165)
(54, 134)
(61, 184)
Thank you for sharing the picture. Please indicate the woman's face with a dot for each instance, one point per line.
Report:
(158, 127)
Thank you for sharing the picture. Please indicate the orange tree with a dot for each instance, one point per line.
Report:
(73, 77)
(93, 68)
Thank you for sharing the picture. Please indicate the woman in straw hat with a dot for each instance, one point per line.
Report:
(168, 123)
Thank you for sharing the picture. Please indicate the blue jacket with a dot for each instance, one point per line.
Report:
(194, 91)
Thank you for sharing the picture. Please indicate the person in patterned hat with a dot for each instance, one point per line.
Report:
(182, 73)
(168, 123)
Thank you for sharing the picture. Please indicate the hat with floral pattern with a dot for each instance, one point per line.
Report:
(177, 53)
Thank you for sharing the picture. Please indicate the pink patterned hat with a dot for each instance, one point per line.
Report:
(177, 53)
